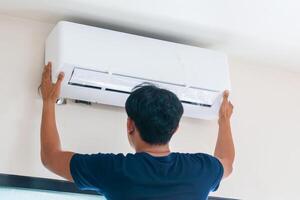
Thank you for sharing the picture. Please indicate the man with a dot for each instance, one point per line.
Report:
(153, 172)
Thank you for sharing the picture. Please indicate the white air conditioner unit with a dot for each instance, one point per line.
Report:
(103, 66)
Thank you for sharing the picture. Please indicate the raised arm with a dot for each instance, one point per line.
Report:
(224, 149)
(52, 156)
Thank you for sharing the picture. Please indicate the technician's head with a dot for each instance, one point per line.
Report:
(153, 115)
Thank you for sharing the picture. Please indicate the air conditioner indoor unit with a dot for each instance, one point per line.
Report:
(103, 66)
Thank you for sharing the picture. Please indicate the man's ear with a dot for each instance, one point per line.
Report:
(130, 126)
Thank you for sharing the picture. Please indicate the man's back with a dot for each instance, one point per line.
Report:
(143, 176)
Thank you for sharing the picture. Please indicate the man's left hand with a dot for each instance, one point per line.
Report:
(50, 91)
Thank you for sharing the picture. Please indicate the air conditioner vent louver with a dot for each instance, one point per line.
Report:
(119, 91)
(87, 86)
(195, 103)
(125, 84)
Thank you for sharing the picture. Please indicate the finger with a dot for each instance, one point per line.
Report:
(50, 70)
(46, 74)
(59, 80)
(45, 70)
(225, 95)
(43, 74)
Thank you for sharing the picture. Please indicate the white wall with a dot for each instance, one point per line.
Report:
(266, 122)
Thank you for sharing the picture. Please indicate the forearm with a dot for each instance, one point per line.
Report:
(225, 147)
(52, 156)
(50, 142)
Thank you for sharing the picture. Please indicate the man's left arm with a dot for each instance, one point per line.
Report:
(52, 156)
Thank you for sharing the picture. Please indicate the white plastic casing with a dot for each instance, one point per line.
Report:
(103, 66)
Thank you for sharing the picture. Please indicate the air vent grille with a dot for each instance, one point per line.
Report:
(124, 84)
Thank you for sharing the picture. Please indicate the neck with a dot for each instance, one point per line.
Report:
(155, 150)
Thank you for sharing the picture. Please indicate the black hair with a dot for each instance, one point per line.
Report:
(156, 112)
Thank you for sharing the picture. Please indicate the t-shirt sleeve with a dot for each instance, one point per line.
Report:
(92, 172)
(218, 170)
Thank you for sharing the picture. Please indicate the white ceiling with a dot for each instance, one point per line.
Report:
(261, 32)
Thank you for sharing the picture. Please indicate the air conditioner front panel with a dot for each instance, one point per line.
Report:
(211, 73)
(120, 53)
(103, 66)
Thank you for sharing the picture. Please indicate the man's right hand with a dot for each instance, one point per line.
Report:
(226, 108)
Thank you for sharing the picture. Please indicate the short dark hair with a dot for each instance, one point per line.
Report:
(156, 112)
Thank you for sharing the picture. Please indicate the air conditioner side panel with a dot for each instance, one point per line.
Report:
(54, 49)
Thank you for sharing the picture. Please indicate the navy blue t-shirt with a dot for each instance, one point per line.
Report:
(143, 176)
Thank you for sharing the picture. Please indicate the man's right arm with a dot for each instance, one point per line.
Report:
(224, 149)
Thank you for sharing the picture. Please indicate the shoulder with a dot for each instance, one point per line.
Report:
(210, 160)
(198, 157)
(207, 158)
(97, 156)
(96, 159)
(202, 159)
(95, 163)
